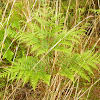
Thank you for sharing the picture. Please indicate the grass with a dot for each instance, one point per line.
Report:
(75, 15)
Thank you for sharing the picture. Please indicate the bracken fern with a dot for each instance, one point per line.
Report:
(42, 34)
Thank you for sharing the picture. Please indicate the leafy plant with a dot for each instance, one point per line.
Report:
(22, 69)
(44, 31)
(81, 64)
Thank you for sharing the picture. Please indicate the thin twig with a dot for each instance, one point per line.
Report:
(88, 88)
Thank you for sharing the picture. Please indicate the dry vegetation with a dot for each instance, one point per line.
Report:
(42, 37)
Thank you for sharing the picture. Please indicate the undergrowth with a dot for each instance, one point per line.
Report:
(43, 42)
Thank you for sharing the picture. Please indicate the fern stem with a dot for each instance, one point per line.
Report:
(67, 13)
(5, 34)
(90, 35)
(15, 52)
(3, 15)
(18, 84)
(95, 44)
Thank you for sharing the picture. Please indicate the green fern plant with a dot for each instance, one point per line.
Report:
(22, 70)
(80, 64)
(41, 34)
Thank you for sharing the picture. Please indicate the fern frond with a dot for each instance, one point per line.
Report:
(80, 63)
(22, 69)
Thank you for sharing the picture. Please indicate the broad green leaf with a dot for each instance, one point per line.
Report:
(9, 54)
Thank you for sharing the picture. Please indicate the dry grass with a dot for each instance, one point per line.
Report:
(60, 87)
